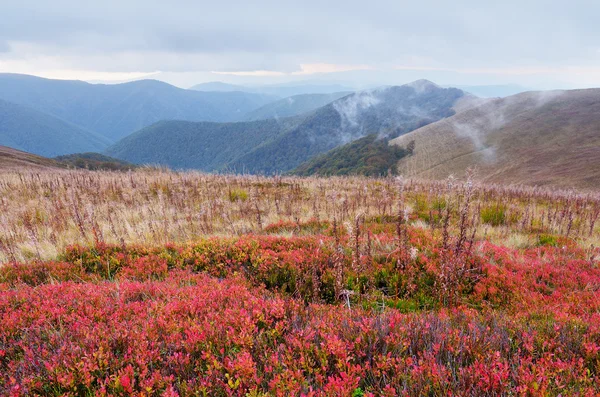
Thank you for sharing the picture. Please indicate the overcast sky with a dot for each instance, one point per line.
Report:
(540, 44)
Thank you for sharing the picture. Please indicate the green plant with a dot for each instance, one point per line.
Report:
(358, 392)
(238, 194)
(494, 215)
(547, 240)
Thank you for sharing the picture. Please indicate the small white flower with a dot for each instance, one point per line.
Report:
(414, 251)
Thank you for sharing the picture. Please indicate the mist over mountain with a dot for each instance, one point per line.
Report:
(114, 111)
(293, 105)
(32, 131)
(389, 112)
(273, 146)
(535, 138)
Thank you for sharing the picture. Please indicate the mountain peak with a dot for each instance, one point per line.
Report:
(423, 85)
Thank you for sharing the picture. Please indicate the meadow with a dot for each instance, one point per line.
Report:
(160, 283)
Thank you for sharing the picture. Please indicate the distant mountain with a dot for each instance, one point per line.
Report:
(188, 145)
(94, 162)
(368, 156)
(115, 111)
(273, 146)
(39, 133)
(534, 138)
(390, 112)
(16, 160)
(281, 90)
(292, 106)
(217, 86)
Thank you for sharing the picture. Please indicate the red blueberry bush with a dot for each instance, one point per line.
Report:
(306, 288)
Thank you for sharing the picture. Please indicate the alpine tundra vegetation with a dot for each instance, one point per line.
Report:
(153, 282)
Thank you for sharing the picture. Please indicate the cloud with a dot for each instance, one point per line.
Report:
(496, 115)
(305, 70)
(350, 107)
(4, 47)
(274, 39)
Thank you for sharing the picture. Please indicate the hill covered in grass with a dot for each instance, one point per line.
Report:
(17, 160)
(534, 138)
(116, 110)
(275, 146)
(32, 131)
(368, 156)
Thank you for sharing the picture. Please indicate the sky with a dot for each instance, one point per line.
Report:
(538, 44)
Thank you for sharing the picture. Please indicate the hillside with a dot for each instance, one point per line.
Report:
(390, 111)
(294, 105)
(534, 138)
(188, 145)
(94, 161)
(273, 146)
(16, 160)
(368, 156)
(117, 110)
(32, 131)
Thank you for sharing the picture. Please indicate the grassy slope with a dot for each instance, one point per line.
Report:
(12, 159)
(532, 138)
(33, 131)
(117, 110)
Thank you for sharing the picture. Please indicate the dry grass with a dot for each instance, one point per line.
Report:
(41, 213)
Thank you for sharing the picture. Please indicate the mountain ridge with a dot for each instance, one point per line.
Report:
(116, 110)
(280, 145)
(534, 138)
(33, 131)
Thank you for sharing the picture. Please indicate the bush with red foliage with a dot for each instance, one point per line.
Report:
(261, 315)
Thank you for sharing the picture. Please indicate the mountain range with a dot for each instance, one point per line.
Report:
(279, 145)
(293, 105)
(417, 129)
(117, 110)
(30, 130)
(280, 90)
